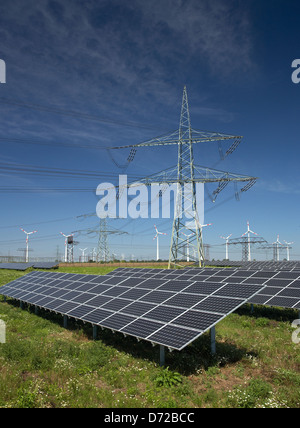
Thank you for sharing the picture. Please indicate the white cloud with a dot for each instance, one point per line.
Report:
(279, 186)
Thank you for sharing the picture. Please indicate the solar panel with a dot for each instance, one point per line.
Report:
(265, 264)
(170, 312)
(279, 292)
(16, 266)
(45, 265)
(278, 282)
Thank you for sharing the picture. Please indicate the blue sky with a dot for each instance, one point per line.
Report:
(122, 67)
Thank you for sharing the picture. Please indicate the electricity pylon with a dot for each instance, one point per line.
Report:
(102, 249)
(102, 231)
(186, 175)
(247, 250)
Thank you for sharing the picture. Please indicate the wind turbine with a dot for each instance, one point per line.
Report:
(248, 234)
(27, 243)
(188, 245)
(192, 225)
(156, 237)
(226, 244)
(66, 246)
(276, 248)
(82, 255)
(94, 254)
(288, 250)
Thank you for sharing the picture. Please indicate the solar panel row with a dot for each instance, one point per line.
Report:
(168, 311)
(282, 288)
(264, 264)
(24, 266)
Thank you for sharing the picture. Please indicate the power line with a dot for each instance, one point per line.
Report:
(50, 171)
(74, 114)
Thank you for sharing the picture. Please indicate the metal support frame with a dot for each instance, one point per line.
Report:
(213, 340)
(65, 321)
(95, 332)
(162, 356)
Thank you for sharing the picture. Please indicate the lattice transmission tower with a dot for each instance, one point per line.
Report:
(102, 249)
(102, 232)
(186, 174)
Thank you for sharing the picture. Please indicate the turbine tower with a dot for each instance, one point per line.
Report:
(226, 245)
(66, 245)
(82, 255)
(27, 243)
(248, 241)
(276, 247)
(188, 245)
(157, 242)
(192, 234)
(288, 250)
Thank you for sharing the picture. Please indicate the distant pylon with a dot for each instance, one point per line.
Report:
(103, 250)
(247, 245)
(187, 208)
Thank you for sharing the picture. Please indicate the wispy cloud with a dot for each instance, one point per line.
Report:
(279, 186)
(142, 46)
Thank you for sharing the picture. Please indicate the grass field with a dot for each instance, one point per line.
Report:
(44, 365)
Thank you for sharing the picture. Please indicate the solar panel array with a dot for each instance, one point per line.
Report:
(282, 288)
(24, 266)
(45, 265)
(265, 264)
(159, 306)
(16, 266)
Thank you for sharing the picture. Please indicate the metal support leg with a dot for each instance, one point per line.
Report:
(213, 340)
(161, 355)
(21, 305)
(252, 308)
(36, 310)
(95, 332)
(65, 321)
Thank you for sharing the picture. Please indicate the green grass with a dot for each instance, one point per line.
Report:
(44, 365)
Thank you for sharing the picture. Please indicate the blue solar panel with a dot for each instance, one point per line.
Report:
(153, 309)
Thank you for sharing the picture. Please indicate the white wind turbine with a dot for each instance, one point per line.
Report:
(82, 255)
(66, 247)
(277, 243)
(27, 243)
(248, 234)
(226, 244)
(188, 245)
(288, 250)
(94, 253)
(156, 237)
(200, 226)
